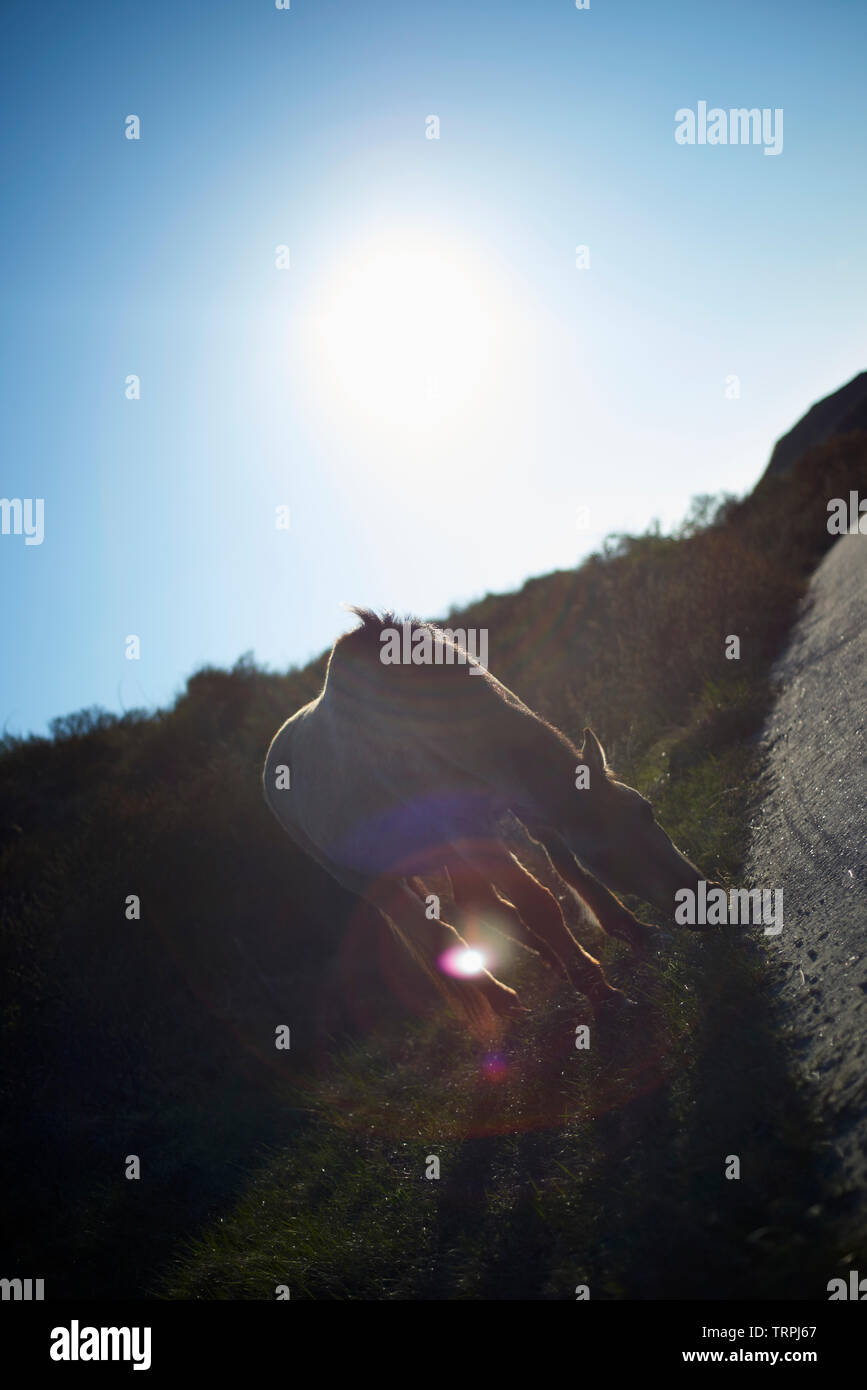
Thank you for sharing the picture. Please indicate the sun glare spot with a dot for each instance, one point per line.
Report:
(462, 961)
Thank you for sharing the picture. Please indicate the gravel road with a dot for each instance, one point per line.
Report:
(810, 839)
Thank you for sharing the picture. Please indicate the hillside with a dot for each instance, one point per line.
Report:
(155, 1036)
(838, 414)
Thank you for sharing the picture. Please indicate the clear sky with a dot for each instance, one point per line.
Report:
(432, 386)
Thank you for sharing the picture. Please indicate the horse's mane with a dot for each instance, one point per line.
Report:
(371, 621)
(368, 635)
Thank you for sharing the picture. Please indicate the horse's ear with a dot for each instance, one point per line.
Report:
(593, 753)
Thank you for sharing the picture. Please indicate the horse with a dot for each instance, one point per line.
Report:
(406, 766)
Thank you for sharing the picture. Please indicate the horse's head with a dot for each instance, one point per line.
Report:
(619, 839)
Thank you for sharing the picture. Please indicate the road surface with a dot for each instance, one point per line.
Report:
(810, 839)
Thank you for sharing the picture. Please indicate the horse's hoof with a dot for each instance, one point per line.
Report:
(504, 1001)
(646, 938)
(640, 937)
(614, 1004)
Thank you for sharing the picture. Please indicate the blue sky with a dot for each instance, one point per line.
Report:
(432, 387)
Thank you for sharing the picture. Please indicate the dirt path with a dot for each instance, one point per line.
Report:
(810, 839)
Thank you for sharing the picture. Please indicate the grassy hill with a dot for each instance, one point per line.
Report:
(306, 1167)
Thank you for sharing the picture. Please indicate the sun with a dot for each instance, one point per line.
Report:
(407, 336)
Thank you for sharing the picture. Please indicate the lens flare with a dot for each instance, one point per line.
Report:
(494, 1067)
(461, 961)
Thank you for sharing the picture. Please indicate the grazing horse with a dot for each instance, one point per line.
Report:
(398, 771)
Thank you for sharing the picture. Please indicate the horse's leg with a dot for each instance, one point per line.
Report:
(614, 919)
(540, 914)
(478, 997)
(476, 896)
